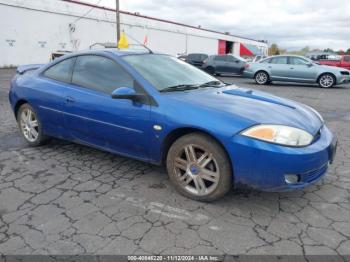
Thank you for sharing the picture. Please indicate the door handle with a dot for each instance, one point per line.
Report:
(269, 66)
(70, 99)
(292, 68)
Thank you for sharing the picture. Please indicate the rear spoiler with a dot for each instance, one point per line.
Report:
(25, 68)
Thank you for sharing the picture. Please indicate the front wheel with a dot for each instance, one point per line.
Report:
(326, 81)
(262, 78)
(30, 125)
(199, 167)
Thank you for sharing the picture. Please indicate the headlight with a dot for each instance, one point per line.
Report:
(278, 134)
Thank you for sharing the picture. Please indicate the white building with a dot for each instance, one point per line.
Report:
(31, 29)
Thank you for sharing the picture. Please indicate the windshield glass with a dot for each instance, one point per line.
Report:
(164, 71)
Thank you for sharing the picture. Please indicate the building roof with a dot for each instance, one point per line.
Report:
(157, 19)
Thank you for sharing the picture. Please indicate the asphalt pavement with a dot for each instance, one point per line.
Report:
(64, 198)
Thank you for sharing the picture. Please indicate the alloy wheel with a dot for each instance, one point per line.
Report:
(29, 125)
(197, 170)
(261, 78)
(326, 81)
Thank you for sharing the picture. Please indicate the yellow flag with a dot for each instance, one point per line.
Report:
(123, 42)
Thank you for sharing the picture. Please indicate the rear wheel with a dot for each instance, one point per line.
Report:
(199, 167)
(326, 81)
(30, 125)
(261, 78)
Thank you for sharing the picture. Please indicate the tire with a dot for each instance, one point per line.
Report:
(30, 126)
(210, 70)
(207, 165)
(262, 78)
(326, 81)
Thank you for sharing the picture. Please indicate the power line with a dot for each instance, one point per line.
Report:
(88, 12)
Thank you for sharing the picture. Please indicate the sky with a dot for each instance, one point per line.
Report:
(292, 24)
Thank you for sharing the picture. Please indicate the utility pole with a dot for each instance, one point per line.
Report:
(117, 19)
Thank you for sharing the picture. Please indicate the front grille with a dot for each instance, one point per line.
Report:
(345, 73)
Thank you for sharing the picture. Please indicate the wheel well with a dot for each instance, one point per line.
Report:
(177, 133)
(18, 105)
(262, 71)
(333, 75)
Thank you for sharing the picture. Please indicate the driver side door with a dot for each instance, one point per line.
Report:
(94, 117)
(301, 70)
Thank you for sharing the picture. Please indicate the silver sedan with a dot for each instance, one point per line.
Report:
(288, 68)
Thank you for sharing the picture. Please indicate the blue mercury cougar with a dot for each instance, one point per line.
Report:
(159, 109)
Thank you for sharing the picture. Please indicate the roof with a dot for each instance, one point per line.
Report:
(157, 19)
(123, 52)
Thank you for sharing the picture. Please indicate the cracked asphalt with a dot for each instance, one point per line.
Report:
(64, 198)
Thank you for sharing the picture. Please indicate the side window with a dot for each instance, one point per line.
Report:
(297, 61)
(221, 58)
(346, 59)
(100, 74)
(279, 60)
(61, 71)
(204, 57)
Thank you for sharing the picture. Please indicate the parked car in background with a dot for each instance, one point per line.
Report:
(159, 109)
(59, 53)
(224, 64)
(182, 57)
(342, 61)
(195, 59)
(288, 68)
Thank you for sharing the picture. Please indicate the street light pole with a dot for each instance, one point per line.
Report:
(117, 19)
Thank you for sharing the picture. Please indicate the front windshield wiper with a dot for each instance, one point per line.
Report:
(179, 88)
(214, 83)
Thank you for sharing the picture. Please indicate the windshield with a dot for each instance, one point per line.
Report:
(164, 71)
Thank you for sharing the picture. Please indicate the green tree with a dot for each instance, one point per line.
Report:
(328, 50)
(274, 50)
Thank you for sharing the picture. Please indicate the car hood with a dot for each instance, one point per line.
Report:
(255, 106)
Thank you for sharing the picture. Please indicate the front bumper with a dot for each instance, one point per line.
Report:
(343, 79)
(248, 74)
(263, 165)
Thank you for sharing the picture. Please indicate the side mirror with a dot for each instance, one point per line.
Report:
(310, 64)
(127, 93)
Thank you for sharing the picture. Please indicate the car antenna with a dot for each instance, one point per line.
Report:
(143, 45)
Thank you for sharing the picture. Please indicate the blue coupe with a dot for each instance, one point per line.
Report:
(159, 109)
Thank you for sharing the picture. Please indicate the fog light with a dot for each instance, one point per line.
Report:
(291, 179)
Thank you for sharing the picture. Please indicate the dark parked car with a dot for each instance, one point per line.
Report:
(196, 59)
(224, 64)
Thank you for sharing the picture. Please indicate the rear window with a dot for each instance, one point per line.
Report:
(61, 71)
(346, 58)
(197, 57)
(265, 61)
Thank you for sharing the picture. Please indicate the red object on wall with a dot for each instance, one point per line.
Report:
(244, 51)
(222, 47)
